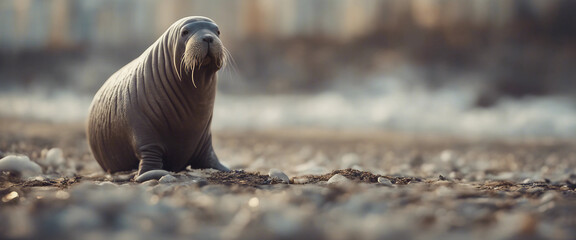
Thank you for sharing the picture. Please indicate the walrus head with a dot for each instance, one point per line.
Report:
(198, 46)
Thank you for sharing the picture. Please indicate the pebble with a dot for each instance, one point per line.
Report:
(338, 179)
(150, 183)
(536, 190)
(122, 177)
(253, 202)
(167, 179)
(384, 181)
(153, 174)
(61, 194)
(301, 180)
(8, 197)
(446, 155)
(549, 196)
(20, 165)
(276, 173)
(570, 185)
(528, 180)
(200, 182)
(55, 157)
(455, 175)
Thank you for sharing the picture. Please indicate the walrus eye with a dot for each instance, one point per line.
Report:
(185, 32)
(218, 32)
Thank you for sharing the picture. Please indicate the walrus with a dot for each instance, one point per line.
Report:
(155, 112)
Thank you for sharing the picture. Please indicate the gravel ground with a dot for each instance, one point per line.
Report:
(294, 183)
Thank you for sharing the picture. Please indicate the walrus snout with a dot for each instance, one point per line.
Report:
(208, 38)
(204, 49)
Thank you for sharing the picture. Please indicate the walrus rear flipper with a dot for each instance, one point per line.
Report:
(210, 160)
(214, 163)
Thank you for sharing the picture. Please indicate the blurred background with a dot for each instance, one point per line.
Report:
(472, 68)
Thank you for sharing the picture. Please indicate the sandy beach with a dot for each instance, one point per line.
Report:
(342, 185)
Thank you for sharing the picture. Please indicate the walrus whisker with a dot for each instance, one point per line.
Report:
(183, 61)
(179, 72)
(178, 75)
(221, 61)
(229, 61)
(226, 57)
(188, 61)
(185, 68)
(201, 62)
(193, 82)
(182, 68)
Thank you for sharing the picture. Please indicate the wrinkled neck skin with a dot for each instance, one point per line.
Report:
(203, 90)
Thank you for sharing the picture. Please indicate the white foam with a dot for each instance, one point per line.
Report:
(385, 103)
(20, 165)
(403, 108)
(58, 106)
(55, 162)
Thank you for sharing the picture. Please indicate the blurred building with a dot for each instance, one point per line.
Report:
(520, 47)
(54, 24)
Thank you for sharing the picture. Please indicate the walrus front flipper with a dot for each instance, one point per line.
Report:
(153, 174)
(150, 156)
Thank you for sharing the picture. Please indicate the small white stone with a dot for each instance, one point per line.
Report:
(253, 202)
(150, 183)
(454, 175)
(528, 180)
(302, 180)
(10, 196)
(276, 173)
(384, 181)
(38, 178)
(167, 179)
(338, 179)
(61, 194)
(549, 196)
(446, 155)
(21, 165)
(55, 157)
